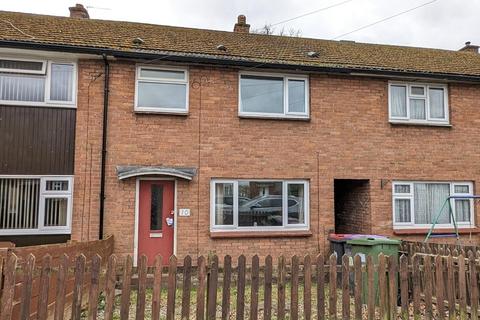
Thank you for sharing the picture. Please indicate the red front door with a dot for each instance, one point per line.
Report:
(155, 220)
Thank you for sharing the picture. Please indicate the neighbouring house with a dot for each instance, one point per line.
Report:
(191, 141)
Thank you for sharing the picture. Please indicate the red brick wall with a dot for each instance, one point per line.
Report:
(347, 137)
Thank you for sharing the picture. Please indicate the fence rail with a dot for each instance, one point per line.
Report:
(423, 287)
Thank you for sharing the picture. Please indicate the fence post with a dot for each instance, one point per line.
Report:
(201, 288)
(172, 287)
(8, 291)
(254, 288)
(345, 287)
(28, 269)
(267, 301)
(110, 282)
(281, 288)
(404, 286)
(227, 280)
(357, 263)
(307, 287)
(332, 306)
(294, 289)
(78, 287)
(393, 285)
(187, 284)
(427, 273)
(60, 294)
(416, 287)
(157, 288)
(382, 287)
(44, 287)
(439, 283)
(126, 282)
(320, 261)
(94, 287)
(451, 288)
(212, 288)
(241, 287)
(462, 286)
(371, 288)
(473, 286)
(142, 287)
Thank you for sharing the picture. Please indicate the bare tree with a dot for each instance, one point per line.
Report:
(268, 29)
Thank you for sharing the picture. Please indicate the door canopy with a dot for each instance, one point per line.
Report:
(125, 172)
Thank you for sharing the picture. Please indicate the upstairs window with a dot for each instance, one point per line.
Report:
(162, 90)
(273, 96)
(37, 82)
(417, 204)
(418, 103)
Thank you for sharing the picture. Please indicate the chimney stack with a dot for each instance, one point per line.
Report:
(79, 11)
(470, 47)
(241, 26)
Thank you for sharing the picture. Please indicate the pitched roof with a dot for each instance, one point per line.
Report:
(118, 36)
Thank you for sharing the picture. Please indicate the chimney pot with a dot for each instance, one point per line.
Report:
(79, 11)
(469, 47)
(241, 26)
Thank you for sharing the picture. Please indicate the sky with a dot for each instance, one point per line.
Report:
(445, 24)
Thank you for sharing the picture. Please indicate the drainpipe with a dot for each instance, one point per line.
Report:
(104, 143)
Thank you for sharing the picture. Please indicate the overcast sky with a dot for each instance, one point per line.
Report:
(444, 24)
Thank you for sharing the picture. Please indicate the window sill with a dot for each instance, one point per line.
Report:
(422, 124)
(161, 112)
(37, 104)
(435, 231)
(260, 234)
(273, 117)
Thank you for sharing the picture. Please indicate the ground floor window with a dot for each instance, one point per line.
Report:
(35, 205)
(417, 204)
(259, 204)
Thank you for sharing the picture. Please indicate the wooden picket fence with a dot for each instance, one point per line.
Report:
(412, 247)
(422, 286)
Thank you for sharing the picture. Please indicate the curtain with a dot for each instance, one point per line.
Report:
(417, 109)
(462, 210)
(402, 210)
(61, 86)
(22, 87)
(437, 109)
(398, 101)
(429, 199)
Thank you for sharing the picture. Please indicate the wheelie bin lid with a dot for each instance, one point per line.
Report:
(340, 237)
(373, 241)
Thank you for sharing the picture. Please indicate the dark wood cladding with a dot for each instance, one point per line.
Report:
(36, 140)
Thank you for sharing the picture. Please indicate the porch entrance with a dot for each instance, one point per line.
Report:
(155, 219)
(352, 206)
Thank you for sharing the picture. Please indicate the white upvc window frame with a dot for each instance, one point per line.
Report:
(24, 71)
(410, 196)
(45, 194)
(427, 86)
(162, 110)
(286, 113)
(285, 227)
(46, 71)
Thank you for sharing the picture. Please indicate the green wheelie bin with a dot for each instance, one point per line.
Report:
(372, 247)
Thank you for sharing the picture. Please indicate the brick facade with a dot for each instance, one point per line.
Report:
(348, 136)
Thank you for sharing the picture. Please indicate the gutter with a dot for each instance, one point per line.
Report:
(104, 142)
(203, 58)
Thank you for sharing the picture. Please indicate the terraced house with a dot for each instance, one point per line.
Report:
(190, 141)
